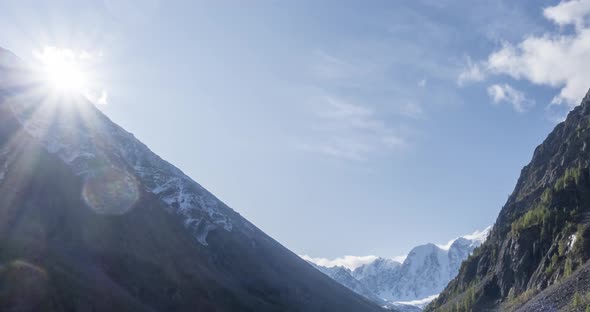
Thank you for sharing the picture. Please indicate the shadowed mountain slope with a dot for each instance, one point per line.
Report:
(92, 220)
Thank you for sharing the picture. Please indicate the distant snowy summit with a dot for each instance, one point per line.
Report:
(412, 283)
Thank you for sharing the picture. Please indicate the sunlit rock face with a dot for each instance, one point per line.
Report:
(113, 227)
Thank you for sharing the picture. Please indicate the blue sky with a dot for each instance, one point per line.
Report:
(337, 127)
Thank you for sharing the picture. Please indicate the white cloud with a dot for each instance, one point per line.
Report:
(478, 235)
(100, 98)
(336, 109)
(446, 246)
(568, 12)
(472, 72)
(558, 59)
(103, 99)
(339, 148)
(400, 259)
(350, 131)
(505, 93)
(350, 262)
(330, 67)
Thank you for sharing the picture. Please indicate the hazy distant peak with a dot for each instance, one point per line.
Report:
(413, 282)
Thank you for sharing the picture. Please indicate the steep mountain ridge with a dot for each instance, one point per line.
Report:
(541, 235)
(92, 220)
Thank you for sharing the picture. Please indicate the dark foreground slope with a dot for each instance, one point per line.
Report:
(541, 239)
(92, 220)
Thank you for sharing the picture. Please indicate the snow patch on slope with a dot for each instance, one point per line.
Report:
(421, 303)
(571, 241)
(96, 142)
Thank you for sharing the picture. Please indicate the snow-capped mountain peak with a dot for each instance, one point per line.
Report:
(376, 267)
(423, 274)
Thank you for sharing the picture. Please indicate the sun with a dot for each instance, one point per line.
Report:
(63, 70)
(65, 76)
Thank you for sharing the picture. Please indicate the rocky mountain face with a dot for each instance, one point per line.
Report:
(424, 273)
(535, 258)
(92, 220)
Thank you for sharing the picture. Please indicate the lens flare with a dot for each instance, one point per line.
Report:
(24, 285)
(111, 191)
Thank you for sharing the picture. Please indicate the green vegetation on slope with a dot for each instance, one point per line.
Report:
(553, 224)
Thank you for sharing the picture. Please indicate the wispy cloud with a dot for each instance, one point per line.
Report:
(100, 98)
(400, 259)
(353, 262)
(349, 262)
(479, 236)
(505, 93)
(556, 59)
(411, 109)
(342, 71)
(350, 131)
(472, 72)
